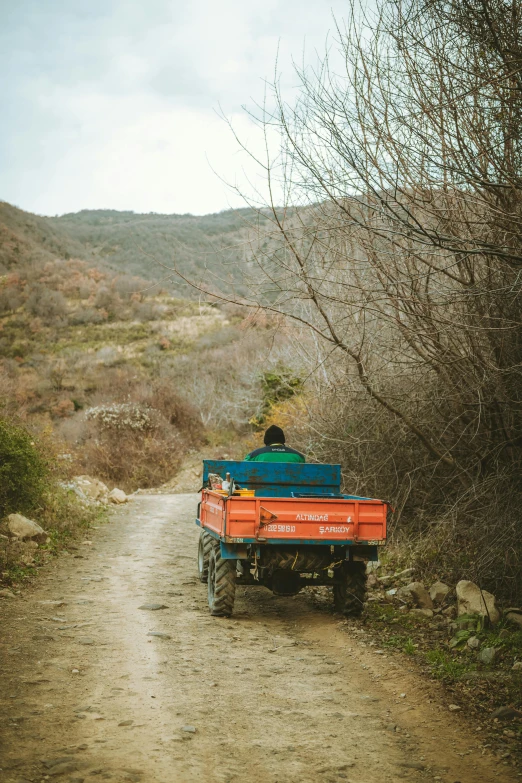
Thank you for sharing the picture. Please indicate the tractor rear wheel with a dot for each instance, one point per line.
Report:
(221, 582)
(204, 547)
(350, 591)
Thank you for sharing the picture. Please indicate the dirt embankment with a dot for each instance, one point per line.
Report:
(96, 687)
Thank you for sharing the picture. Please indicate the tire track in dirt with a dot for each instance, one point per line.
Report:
(281, 691)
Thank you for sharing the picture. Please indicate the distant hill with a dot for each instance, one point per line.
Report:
(211, 247)
(149, 245)
(27, 238)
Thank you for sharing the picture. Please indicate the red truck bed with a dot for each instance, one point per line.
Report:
(303, 520)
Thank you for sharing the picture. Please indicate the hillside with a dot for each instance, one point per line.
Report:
(83, 341)
(28, 239)
(150, 245)
(214, 247)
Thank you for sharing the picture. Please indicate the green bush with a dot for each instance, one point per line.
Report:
(23, 470)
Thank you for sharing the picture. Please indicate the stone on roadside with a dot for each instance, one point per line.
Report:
(421, 612)
(506, 713)
(487, 655)
(517, 666)
(454, 708)
(117, 496)
(438, 592)
(417, 594)
(22, 528)
(473, 643)
(153, 607)
(94, 489)
(514, 616)
(189, 729)
(472, 600)
(450, 611)
(5, 593)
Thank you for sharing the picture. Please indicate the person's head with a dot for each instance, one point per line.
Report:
(273, 435)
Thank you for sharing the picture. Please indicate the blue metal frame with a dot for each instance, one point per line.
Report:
(278, 479)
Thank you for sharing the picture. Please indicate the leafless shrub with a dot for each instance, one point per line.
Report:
(46, 303)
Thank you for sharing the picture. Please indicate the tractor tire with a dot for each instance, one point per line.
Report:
(350, 591)
(204, 547)
(221, 582)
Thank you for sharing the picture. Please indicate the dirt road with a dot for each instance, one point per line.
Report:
(282, 691)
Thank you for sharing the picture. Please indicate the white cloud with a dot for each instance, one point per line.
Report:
(116, 107)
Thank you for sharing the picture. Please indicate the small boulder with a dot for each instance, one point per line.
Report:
(372, 581)
(514, 616)
(473, 643)
(22, 528)
(517, 666)
(417, 594)
(422, 612)
(5, 593)
(487, 655)
(117, 496)
(92, 488)
(506, 713)
(472, 600)
(438, 592)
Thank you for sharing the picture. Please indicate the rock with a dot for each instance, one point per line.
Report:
(487, 655)
(506, 713)
(92, 488)
(514, 616)
(159, 635)
(372, 581)
(85, 640)
(117, 496)
(473, 643)
(417, 593)
(372, 565)
(392, 592)
(438, 592)
(454, 708)
(49, 764)
(189, 729)
(517, 666)
(126, 723)
(450, 611)
(5, 593)
(422, 612)
(472, 600)
(153, 607)
(21, 527)
(63, 769)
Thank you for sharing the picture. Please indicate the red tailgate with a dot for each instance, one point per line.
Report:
(306, 519)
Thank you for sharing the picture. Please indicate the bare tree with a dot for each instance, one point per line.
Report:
(398, 241)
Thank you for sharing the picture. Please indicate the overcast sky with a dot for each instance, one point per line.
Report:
(113, 103)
